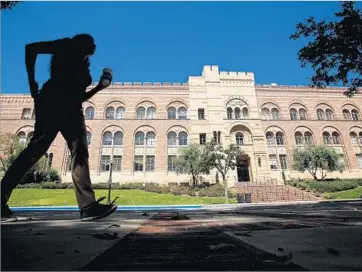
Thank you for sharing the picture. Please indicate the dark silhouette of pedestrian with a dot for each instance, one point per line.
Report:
(58, 108)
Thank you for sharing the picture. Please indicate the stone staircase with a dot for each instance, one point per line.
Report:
(273, 193)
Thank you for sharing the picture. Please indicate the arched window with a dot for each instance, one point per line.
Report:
(171, 113)
(265, 113)
(151, 113)
(172, 138)
(360, 137)
(299, 138)
(355, 115)
(239, 137)
(320, 114)
(259, 162)
(275, 114)
(89, 113)
(151, 138)
(141, 111)
(229, 113)
(237, 113)
(293, 114)
(22, 137)
(329, 114)
(29, 136)
(302, 114)
(89, 138)
(182, 113)
(280, 138)
(120, 112)
(245, 113)
(308, 138)
(327, 138)
(336, 138)
(118, 138)
(140, 138)
(270, 138)
(182, 138)
(353, 137)
(109, 113)
(107, 138)
(347, 115)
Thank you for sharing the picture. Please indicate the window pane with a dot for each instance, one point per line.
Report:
(117, 163)
(182, 138)
(110, 113)
(89, 113)
(171, 113)
(138, 161)
(273, 162)
(150, 163)
(120, 113)
(140, 138)
(283, 161)
(171, 163)
(105, 161)
(171, 138)
(107, 138)
(182, 113)
(118, 138)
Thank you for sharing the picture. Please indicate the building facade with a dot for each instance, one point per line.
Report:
(143, 127)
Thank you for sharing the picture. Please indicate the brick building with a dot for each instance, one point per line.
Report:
(143, 126)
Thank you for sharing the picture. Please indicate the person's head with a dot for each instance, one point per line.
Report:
(85, 43)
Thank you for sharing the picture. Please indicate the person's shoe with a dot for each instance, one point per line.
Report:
(6, 213)
(97, 210)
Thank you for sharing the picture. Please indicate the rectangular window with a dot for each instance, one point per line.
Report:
(105, 161)
(117, 163)
(69, 163)
(215, 137)
(202, 138)
(201, 113)
(171, 163)
(273, 162)
(219, 137)
(138, 163)
(283, 161)
(359, 160)
(150, 163)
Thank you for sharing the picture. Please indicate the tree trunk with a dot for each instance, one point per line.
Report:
(225, 189)
(217, 178)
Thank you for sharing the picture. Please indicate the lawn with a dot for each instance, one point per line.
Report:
(348, 194)
(57, 197)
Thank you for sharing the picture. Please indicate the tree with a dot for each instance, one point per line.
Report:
(194, 160)
(223, 160)
(335, 49)
(10, 148)
(9, 4)
(317, 159)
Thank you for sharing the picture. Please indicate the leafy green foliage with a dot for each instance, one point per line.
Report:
(326, 186)
(317, 159)
(10, 148)
(194, 160)
(334, 50)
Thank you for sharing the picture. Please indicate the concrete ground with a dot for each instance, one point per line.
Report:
(318, 236)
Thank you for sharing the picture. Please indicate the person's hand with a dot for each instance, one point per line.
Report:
(105, 81)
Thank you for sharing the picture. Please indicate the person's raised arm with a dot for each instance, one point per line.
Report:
(31, 52)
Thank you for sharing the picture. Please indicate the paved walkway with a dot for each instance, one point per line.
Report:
(313, 237)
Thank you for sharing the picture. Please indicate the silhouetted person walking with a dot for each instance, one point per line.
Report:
(58, 107)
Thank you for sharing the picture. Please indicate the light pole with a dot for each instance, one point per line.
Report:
(110, 170)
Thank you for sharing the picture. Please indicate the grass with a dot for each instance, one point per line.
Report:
(51, 197)
(348, 194)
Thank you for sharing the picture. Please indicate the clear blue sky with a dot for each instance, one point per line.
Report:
(164, 41)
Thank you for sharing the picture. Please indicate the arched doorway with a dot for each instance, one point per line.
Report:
(242, 168)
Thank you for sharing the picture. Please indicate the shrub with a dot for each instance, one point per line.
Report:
(327, 186)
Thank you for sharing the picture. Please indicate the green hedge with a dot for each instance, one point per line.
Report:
(210, 190)
(326, 186)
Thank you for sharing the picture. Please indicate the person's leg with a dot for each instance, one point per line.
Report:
(39, 144)
(74, 132)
